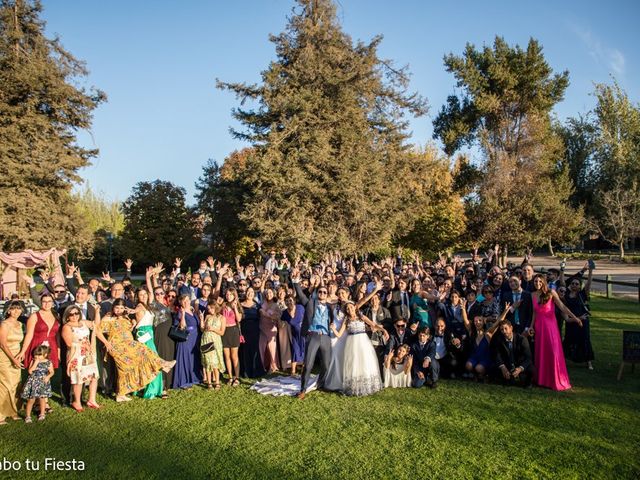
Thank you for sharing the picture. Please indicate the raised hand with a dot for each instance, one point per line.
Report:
(177, 262)
(106, 277)
(127, 263)
(27, 278)
(71, 269)
(212, 261)
(259, 244)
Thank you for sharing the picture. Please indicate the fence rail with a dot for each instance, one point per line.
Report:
(609, 284)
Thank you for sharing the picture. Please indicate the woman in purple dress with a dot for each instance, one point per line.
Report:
(293, 315)
(187, 371)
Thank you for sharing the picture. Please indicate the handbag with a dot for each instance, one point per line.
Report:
(242, 340)
(177, 334)
(207, 347)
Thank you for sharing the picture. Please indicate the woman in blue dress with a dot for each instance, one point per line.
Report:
(293, 315)
(187, 371)
(479, 338)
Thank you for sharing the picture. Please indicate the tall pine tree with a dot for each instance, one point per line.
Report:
(329, 137)
(41, 108)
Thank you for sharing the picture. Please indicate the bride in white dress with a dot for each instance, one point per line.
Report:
(360, 372)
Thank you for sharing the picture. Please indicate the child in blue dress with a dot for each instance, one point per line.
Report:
(38, 385)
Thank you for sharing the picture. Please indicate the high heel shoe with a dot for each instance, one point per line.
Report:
(93, 405)
(77, 409)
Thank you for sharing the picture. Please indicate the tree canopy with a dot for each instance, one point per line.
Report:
(42, 108)
(328, 132)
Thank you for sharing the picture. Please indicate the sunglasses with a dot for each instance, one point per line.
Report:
(402, 326)
(171, 296)
(59, 291)
(242, 284)
(74, 314)
(322, 291)
(157, 294)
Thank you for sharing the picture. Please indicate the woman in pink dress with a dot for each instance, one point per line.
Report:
(551, 369)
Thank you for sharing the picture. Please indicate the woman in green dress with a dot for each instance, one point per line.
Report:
(144, 334)
(212, 326)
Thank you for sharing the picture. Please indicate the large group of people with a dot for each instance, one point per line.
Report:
(363, 325)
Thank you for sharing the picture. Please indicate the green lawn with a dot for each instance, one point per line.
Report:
(460, 430)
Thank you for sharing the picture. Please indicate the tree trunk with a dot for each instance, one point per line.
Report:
(550, 246)
(621, 245)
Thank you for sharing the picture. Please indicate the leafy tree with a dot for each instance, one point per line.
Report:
(433, 219)
(328, 133)
(617, 166)
(578, 137)
(220, 200)
(158, 225)
(42, 107)
(503, 108)
(100, 213)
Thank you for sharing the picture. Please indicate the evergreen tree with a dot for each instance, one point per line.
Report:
(41, 108)
(329, 138)
(158, 224)
(504, 108)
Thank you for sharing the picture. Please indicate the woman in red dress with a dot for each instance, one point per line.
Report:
(42, 328)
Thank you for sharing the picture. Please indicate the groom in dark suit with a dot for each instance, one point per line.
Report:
(318, 316)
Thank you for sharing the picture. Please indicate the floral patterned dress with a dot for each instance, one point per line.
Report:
(213, 359)
(137, 365)
(36, 385)
(83, 363)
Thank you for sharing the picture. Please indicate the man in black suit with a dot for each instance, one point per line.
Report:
(425, 366)
(521, 310)
(399, 297)
(512, 357)
(448, 349)
(318, 317)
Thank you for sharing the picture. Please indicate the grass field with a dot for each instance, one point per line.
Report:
(460, 430)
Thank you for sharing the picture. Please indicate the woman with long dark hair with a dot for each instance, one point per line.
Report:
(551, 369)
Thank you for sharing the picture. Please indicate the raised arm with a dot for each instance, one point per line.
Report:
(564, 308)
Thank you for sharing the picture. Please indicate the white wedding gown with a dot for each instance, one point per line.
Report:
(361, 373)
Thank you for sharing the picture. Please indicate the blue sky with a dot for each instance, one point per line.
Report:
(158, 61)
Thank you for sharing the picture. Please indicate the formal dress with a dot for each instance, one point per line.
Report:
(297, 340)
(187, 371)
(395, 376)
(577, 339)
(269, 318)
(145, 330)
(284, 342)
(551, 369)
(334, 380)
(213, 359)
(361, 374)
(420, 311)
(43, 335)
(137, 365)
(250, 358)
(165, 346)
(10, 375)
(84, 362)
(37, 386)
